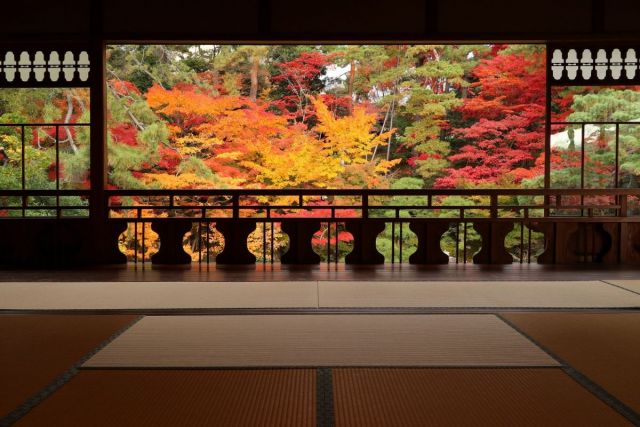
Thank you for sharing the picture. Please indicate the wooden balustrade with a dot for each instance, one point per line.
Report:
(573, 232)
(579, 226)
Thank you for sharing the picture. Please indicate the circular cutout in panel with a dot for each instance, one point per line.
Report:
(136, 245)
(268, 242)
(203, 242)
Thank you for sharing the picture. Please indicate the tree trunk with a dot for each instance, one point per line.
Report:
(215, 79)
(255, 68)
(352, 78)
(393, 110)
(67, 119)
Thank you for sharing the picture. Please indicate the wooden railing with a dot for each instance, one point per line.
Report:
(600, 225)
(309, 226)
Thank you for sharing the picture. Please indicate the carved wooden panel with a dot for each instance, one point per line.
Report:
(429, 236)
(31, 67)
(594, 65)
(235, 242)
(493, 250)
(300, 250)
(364, 242)
(171, 234)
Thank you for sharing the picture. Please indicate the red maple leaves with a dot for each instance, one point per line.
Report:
(507, 132)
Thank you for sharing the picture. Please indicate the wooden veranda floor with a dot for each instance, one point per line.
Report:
(279, 272)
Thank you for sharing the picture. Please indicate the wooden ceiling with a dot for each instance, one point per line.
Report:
(327, 20)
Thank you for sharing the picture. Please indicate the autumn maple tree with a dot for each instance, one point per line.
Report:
(505, 135)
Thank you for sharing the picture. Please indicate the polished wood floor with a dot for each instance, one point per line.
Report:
(277, 272)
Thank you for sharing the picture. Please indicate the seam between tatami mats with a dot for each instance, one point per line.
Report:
(594, 388)
(620, 287)
(276, 368)
(325, 413)
(59, 381)
(313, 310)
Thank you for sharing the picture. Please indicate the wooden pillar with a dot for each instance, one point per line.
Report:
(98, 211)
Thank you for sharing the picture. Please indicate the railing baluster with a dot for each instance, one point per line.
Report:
(335, 260)
(623, 202)
(207, 243)
(264, 242)
(235, 205)
(393, 242)
(521, 242)
(464, 244)
(272, 225)
(529, 244)
(493, 210)
(400, 251)
(328, 243)
(135, 241)
(457, 241)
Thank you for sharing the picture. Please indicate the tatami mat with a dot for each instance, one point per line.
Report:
(632, 285)
(181, 398)
(311, 294)
(605, 346)
(320, 340)
(35, 350)
(475, 294)
(465, 397)
(131, 295)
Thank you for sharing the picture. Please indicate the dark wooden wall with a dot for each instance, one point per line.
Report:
(294, 20)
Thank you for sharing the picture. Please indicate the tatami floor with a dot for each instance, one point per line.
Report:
(339, 350)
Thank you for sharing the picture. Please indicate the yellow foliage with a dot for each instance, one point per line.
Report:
(242, 142)
(383, 166)
(348, 140)
(294, 162)
(176, 101)
(169, 181)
